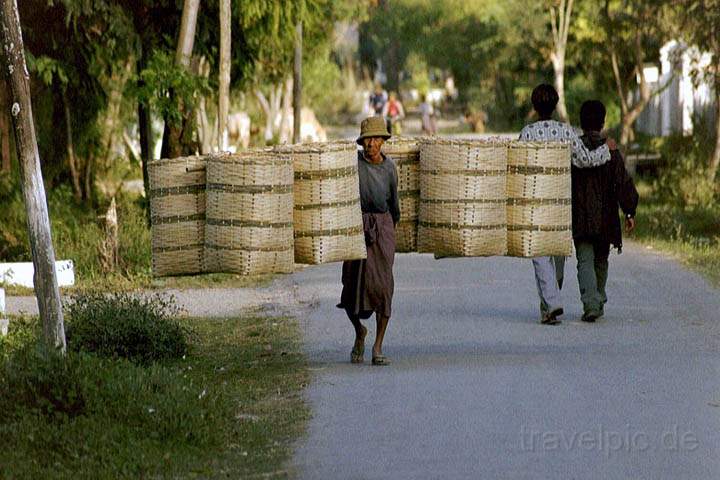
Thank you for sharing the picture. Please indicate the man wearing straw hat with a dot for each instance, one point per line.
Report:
(368, 284)
(549, 271)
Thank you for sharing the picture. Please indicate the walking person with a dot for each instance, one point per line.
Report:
(597, 193)
(549, 271)
(394, 112)
(427, 115)
(368, 285)
(378, 99)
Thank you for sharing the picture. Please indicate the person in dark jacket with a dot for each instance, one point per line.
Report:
(596, 195)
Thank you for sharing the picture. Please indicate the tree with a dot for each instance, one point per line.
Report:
(224, 90)
(560, 14)
(635, 30)
(700, 21)
(38, 221)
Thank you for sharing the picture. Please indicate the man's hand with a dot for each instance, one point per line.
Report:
(612, 145)
(629, 224)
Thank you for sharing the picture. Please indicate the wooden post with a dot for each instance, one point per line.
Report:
(38, 221)
(297, 84)
(224, 88)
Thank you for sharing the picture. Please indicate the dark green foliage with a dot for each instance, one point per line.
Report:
(141, 328)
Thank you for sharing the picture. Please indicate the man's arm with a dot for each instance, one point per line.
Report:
(627, 194)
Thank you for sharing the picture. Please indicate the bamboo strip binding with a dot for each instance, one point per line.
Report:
(249, 213)
(462, 197)
(539, 206)
(405, 152)
(177, 215)
(327, 216)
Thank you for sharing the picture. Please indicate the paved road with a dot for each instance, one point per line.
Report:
(478, 389)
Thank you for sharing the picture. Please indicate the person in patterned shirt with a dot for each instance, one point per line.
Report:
(550, 271)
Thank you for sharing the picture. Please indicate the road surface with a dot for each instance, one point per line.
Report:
(478, 389)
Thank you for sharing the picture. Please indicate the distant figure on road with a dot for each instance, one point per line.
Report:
(368, 285)
(394, 112)
(597, 192)
(549, 271)
(378, 99)
(427, 115)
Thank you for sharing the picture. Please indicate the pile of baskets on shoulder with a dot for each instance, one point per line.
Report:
(263, 210)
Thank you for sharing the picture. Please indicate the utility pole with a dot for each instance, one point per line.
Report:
(224, 89)
(297, 84)
(38, 221)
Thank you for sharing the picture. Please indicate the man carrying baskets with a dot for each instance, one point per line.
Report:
(549, 271)
(368, 284)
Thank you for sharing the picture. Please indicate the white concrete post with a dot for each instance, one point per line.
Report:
(4, 322)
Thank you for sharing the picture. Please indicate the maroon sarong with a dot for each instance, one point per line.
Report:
(368, 285)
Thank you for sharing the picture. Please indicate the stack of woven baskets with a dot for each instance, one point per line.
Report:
(327, 216)
(539, 211)
(177, 211)
(406, 154)
(462, 197)
(249, 227)
(267, 209)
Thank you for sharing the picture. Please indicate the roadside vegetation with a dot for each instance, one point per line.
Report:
(222, 398)
(679, 212)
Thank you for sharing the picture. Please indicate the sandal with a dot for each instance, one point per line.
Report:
(357, 355)
(380, 360)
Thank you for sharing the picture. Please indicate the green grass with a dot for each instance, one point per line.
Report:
(692, 234)
(230, 409)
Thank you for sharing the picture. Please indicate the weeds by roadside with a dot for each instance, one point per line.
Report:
(229, 408)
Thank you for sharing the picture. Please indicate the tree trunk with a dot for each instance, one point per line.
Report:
(297, 84)
(715, 159)
(224, 88)
(560, 24)
(177, 137)
(109, 249)
(5, 141)
(38, 221)
(286, 129)
(72, 160)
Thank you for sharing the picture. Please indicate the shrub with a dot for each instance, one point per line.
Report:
(137, 327)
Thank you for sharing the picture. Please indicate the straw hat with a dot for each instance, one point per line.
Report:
(373, 127)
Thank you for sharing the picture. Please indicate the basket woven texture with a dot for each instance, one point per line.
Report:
(249, 213)
(406, 154)
(462, 197)
(327, 216)
(539, 209)
(177, 211)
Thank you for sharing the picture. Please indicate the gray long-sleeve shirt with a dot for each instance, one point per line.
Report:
(379, 187)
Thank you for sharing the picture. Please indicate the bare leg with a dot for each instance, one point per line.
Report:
(360, 332)
(382, 323)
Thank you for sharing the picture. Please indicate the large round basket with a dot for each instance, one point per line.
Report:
(177, 211)
(539, 199)
(249, 213)
(327, 216)
(462, 197)
(406, 154)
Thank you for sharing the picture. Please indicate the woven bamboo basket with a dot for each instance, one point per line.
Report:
(249, 213)
(539, 208)
(327, 217)
(405, 152)
(177, 211)
(462, 197)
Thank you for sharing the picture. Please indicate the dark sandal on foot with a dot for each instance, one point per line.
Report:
(380, 360)
(357, 355)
